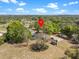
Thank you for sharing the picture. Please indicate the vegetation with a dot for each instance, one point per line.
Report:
(1, 40)
(75, 39)
(69, 30)
(36, 26)
(39, 46)
(48, 27)
(72, 53)
(16, 32)
(51, 27)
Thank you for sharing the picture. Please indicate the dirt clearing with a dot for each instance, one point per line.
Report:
(8, 51)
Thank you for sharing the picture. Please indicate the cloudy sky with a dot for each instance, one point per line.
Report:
(39, 7)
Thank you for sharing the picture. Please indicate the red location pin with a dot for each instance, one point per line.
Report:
(40, 22)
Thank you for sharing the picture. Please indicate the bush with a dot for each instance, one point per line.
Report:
(68, 30)
(36, 26)
(65, 57)
(51, 27)
(72, 53)
(1, 40)
(75, 39)
(39, 46)
(16, 32)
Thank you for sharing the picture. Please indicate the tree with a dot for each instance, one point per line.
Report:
(16, 32)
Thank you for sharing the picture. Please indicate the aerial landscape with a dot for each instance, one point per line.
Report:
(31, 30)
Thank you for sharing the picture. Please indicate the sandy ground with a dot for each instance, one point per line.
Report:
(56, 38)
(8, 51)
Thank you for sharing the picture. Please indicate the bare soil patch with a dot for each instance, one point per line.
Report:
(8, 51)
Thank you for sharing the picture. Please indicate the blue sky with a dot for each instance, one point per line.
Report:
(39, 7)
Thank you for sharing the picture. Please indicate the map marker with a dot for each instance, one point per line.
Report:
(41, 22)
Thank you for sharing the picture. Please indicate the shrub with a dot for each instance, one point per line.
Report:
(1, 40)
(16, 32)
(72, 53)
(37, 27)
(68, 30)
(65, 57)
(39, 46)
(75, 39)
(51, 27)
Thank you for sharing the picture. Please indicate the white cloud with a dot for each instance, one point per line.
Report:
(76, 2)
(64, 4)
(8, 1)
(21, 3)
(9, 9)
(13, 1)
(22, 12)
(71, 3)
(62, 11)
(20, 9)
(53, 5)
(40, 10)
